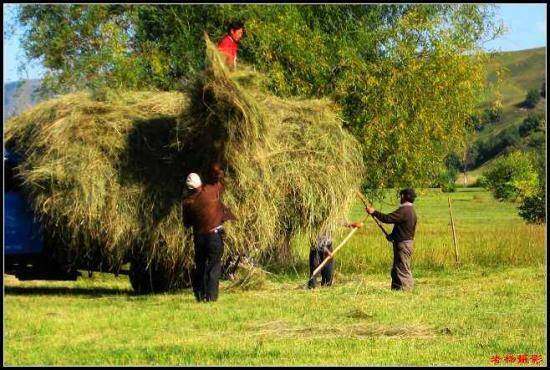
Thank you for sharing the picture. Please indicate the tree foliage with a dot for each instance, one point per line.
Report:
(406, 76)
(533, 122)
(504, 142)
(513, 177)
(533, 208)
(532, 98)
(446, 180)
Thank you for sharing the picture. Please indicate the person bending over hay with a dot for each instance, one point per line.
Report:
(321, 250)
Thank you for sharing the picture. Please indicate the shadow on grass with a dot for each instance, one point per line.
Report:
(89, 292)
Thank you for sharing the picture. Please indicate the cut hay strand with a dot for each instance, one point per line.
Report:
(283, 329)
(249, 277)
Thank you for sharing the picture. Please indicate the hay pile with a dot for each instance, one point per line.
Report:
(106, 175)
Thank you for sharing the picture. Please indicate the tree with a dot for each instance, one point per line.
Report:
(447, 180)
(533, 208)
(88, 45)
(477, 123)
(532, 98)
(407, 77)
(492, 115)
(537, 140)
(453, 162)
(532, 122)
(513, 177)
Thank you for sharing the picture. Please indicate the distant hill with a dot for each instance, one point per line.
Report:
(18, 96)
(523, 70)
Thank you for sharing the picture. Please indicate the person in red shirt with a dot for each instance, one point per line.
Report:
(229, 44)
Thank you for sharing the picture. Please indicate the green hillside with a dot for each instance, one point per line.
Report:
(524, 70)
(521, 71)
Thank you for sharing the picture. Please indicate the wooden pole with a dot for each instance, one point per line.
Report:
(326, 260)
(454, 231)
(465, 166)
(366, 203)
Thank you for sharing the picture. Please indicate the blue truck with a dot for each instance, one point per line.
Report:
(26, 252)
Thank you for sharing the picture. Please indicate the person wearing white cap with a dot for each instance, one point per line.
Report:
(205, 213)
(193, 181)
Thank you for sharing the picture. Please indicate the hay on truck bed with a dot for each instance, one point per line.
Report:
(106, 176)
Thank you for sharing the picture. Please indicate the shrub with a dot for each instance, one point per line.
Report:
(533, 208)
(447, 180)
(532, 122)
(481, 182)
(512, 177)
(532, 98)
(476, 122)
(537, 140)
(492, 115)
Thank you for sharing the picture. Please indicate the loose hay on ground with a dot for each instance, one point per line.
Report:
(280, 328)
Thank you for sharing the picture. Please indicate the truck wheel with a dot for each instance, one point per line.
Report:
(156, 279)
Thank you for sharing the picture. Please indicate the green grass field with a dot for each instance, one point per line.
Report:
(493, 303)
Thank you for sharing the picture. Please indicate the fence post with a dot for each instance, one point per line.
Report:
(454, 231)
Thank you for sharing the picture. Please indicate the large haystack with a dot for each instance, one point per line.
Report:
(107, 175)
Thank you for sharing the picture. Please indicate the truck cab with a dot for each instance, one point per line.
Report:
(25, 252)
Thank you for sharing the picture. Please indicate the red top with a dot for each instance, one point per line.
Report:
(229, 47)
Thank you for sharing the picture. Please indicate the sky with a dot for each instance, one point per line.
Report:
(525, 23)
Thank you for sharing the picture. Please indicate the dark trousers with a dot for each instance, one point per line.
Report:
(401, 274)
(316, 257)
(208, 255)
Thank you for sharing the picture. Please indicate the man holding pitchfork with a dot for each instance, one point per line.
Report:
(402, 235)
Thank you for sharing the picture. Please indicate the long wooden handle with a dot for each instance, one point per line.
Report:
(366, 202)
(320, 267)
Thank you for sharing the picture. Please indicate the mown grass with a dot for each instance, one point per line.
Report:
(494, 303)
(460, 318)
